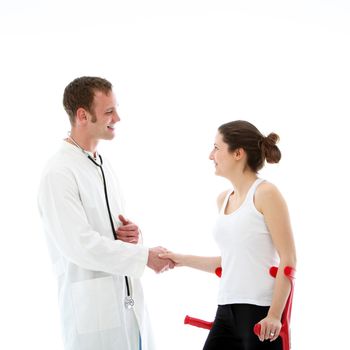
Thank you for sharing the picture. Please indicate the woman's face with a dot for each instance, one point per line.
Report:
(223, 159)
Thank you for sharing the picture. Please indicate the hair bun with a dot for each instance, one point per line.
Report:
(269, 148)
(271, 139)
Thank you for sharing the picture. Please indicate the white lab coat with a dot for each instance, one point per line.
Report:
(90, 265)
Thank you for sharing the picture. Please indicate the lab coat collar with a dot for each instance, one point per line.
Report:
(70, 146)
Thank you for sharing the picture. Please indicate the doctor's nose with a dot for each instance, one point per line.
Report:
(116, 117)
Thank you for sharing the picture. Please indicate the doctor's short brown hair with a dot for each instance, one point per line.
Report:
(80, 94)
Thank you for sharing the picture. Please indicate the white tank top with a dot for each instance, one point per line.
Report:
(247, 253)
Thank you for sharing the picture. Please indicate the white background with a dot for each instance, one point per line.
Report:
(180, 69)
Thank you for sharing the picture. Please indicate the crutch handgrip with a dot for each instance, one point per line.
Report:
(257, 329)
(197, 322)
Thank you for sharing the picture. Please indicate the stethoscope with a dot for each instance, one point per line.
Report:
(128, 301)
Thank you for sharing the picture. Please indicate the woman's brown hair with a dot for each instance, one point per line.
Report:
(242, 134)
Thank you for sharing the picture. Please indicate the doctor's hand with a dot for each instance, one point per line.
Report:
(157, 264)
(128, 231)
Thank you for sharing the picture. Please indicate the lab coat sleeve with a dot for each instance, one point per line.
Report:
(66, 223)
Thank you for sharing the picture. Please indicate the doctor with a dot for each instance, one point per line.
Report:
(96, 252)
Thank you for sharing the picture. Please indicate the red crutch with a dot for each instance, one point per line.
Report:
(285, 330)
(196, 321)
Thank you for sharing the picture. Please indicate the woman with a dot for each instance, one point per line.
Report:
(253, 233)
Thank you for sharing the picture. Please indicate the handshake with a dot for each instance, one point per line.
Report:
(159, 258)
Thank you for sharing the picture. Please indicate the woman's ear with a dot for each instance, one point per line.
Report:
(238, 153)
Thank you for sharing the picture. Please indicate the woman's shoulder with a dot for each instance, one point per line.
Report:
(265, 188)
(265, 193)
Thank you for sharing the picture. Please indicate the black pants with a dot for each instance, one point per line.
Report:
(233, 329)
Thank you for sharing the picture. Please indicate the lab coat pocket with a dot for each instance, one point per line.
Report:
(95, 305)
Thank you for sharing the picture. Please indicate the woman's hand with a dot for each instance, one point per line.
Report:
(178, 259)
(203, 263)
(270, 328)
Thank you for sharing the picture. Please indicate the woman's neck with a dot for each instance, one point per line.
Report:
(243, 182)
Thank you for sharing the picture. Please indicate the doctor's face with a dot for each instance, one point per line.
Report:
(103, 117)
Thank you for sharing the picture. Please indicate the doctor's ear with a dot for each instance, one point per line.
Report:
(81, 117)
